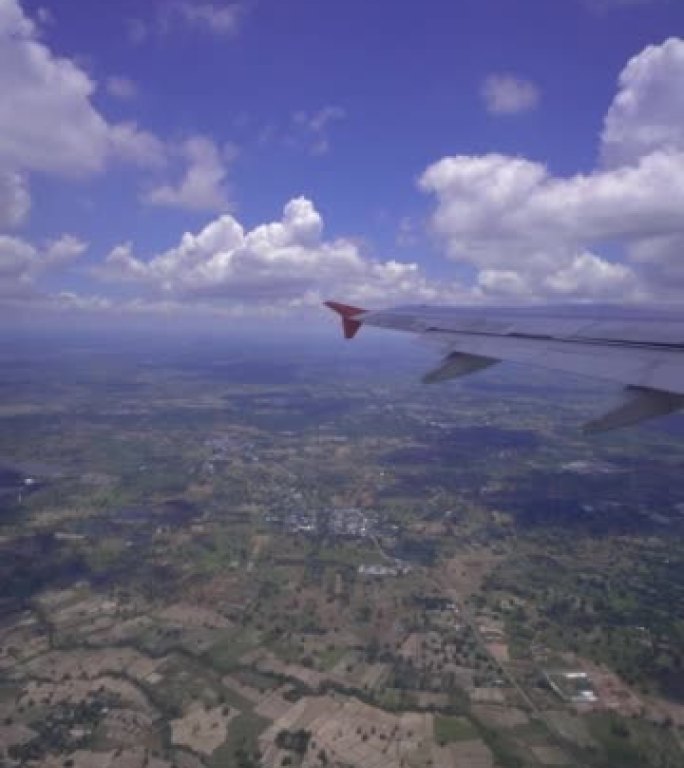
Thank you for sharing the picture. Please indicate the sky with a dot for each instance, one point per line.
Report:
(207, 161)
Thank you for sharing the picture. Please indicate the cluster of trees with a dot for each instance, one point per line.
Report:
(293, 741)
(54, 731)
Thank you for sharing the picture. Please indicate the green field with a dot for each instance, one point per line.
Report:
(450, 729)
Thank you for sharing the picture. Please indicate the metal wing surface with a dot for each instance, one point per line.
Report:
(642, 350)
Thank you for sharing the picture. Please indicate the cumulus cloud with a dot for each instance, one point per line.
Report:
(22, 263)
(47, 120)
(534, 234)
(64, 250)
(121, 87)
(490, 201)
(592, 277)
(202, 185)
(507, 94)
(280, 265)
(647, 113)
(16, 257)
(48, 123)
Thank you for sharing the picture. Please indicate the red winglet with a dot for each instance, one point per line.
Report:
(348, 313)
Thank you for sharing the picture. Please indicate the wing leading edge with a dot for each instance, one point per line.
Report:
(643, 352)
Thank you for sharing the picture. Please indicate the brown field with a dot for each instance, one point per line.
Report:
(260, 542)
(120, 631)
(270, 663)
(660, 709)
(487, 696)
(463, 754)
(127, 758)
(202, 730)
(500, 717)
(269, 704)
(429, 650)
(353, 733)
(273, 705)
(11, 735)
(613, 693)
(126, 727)
(75, 691)
(499, 651)
(550, 755)
(56, 665)
(21, 642)
(351, 669)
(462, 575)
(189, 615)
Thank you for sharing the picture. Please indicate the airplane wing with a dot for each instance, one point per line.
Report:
(641, 350)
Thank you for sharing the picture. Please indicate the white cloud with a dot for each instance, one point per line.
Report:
(507, 94)
(647, 115)
(306, 130)
(502, 282)
(202, 186)
(44, 15)
(509, 217)
(276, 266)
(534, 234)
(16, 257)
(121, 88)
(68, 300)
(63, 251)
(215, 17)
(22, 263)
(47, 120)
(137, 146)
(15, 200)
(13, 21)
(660, 259)
(492, 205)
(584, 276)
(311, 128)
(219, 18)
(592, 277)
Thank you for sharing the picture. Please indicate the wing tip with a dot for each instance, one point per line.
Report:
(350, 325)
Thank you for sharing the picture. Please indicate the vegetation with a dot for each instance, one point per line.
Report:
(212, 521)
(451, 729)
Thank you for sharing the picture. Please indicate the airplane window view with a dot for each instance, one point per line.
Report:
(342, 384)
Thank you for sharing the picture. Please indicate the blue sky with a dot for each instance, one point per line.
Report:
(480, 151)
